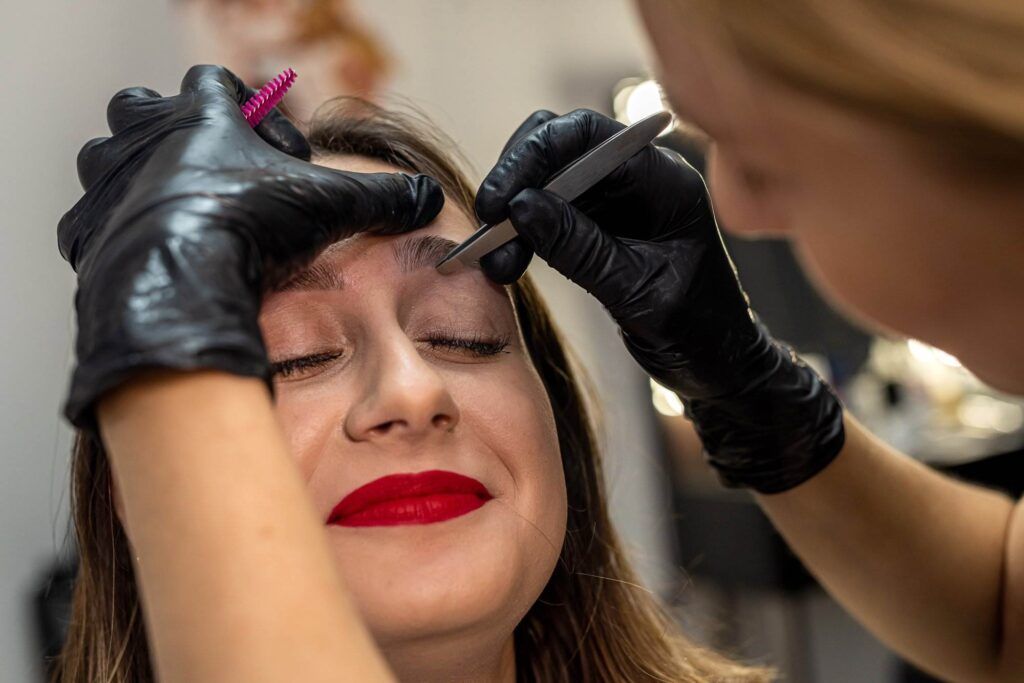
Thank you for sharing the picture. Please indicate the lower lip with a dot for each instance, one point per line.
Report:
(429, 509)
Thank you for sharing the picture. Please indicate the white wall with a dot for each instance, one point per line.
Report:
(62, 62)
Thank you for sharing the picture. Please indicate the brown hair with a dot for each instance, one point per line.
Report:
(592, 623)
(948, 72)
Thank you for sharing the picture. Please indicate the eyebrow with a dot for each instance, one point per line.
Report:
(421, 252)
(317, 276)
(410, 254)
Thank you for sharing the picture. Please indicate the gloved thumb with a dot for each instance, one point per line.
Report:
(574, 245)
(220, 83)
(507, 263)
(344, 203)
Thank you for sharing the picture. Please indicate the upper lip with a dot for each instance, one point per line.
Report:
(406, 485)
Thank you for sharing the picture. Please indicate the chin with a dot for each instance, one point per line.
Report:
(412, 582)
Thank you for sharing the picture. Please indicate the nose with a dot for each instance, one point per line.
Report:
(403, 398)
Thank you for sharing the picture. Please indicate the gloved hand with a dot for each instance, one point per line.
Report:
(188, 215)
(645, 243)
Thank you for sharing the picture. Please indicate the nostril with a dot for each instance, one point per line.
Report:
(440, 422)
(381, 429)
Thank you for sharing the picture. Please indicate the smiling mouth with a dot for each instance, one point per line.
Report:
(419, 498)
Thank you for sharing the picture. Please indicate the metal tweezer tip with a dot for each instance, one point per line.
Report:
(447, 265)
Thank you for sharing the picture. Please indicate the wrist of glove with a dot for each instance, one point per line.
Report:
(188, 304)
(768, 423)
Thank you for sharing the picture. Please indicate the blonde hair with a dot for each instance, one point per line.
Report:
(951, 72)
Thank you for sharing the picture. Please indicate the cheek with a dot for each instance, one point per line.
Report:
(511, 413)
(739, 209)
(311, 421)
(833, 266)
(863, 262)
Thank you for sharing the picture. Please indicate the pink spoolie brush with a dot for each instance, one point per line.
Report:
(260, 104)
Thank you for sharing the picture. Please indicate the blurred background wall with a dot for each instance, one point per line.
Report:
(64, 60)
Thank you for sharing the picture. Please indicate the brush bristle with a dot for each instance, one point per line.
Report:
(267, 97)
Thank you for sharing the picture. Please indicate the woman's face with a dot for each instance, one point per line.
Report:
(387, 368)
(890, 237)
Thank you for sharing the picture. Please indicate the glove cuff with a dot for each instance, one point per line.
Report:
(777, 433)
(177, 300)
(236, 354)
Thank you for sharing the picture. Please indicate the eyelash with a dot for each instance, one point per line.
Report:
(477, 345)
(288, 366)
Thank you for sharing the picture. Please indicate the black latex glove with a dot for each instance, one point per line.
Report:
(507, 264)
(645, 243)
(188, 215)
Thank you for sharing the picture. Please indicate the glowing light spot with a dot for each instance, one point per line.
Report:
(929, 354)
(665, 401)
(989, 413)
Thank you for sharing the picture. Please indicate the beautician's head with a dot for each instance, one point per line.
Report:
(885, 138)
(434, 373)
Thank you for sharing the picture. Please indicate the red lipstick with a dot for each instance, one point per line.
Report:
(420, 498)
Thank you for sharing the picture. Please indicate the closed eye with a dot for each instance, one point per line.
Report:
(477, 345)
(291, 366)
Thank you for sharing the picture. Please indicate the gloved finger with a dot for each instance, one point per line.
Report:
(381, 203)
(275, 128)
(398, 202)
(222, 85)
(212, 79)
(131, 105)
(220, 91)
(537, 118)
(93, 159)
(534, 159)
(507, 263)
(329, 205)
(573, 244)
(69, 234)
